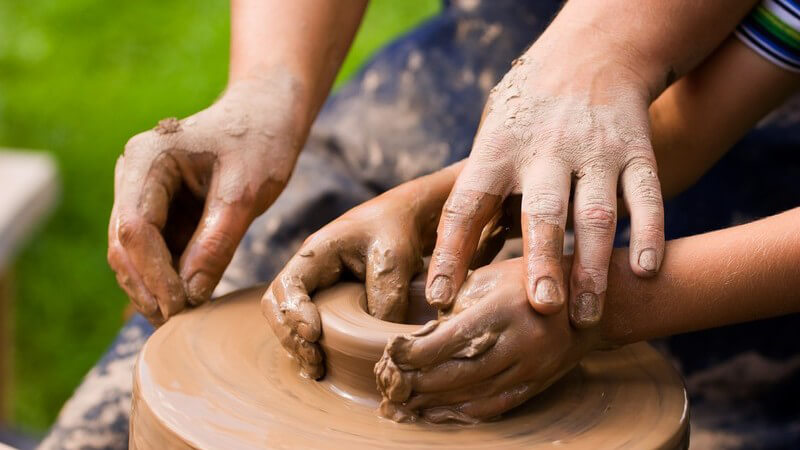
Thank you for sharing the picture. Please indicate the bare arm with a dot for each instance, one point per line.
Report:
(309, 38)
(697, 119)
(738, 274)
(660, 41)
(186, 191)
(569, 120)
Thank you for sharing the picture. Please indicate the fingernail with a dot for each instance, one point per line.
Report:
(546, 292)
(199, 287)
(440, 291)
(587, 310)
(648, 260)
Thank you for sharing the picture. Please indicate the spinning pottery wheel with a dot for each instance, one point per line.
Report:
(217, 378)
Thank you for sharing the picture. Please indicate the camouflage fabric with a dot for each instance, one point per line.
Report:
(414, 109)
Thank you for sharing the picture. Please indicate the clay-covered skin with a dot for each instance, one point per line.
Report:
(570, 120)
(186, 191)
(540, 134)
(380, 242)
(489, 354)
(375, 242)
(684, 150)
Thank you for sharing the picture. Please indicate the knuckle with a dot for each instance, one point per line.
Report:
(444, 260)
(599, 217)
(142, 142)
(493, 144)
(453, 217)
(218, 245)
(545, 205)
(129, 230)
(463, 207)
(543, 263)
(596, 273)
(643, 166)
(113, 256)
(647, 194)
(318, 240)
(597, 166)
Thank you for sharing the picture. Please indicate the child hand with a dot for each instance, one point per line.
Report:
(490, 354)
(380, 242)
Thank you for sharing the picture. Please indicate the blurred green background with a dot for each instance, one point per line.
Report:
(78, 78)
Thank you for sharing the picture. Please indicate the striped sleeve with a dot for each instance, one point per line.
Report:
(772, 29)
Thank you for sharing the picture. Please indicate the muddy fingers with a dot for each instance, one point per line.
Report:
(480, 409)
(235, 157)
(389, 270)
(642, 193)
(545, 198)
(464, 216)
(489, 355)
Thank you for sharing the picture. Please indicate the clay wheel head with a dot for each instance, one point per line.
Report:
(216, 377)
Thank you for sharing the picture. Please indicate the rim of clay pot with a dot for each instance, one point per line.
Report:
(353, 341)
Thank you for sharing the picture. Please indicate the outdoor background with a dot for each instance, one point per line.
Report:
(78, 78)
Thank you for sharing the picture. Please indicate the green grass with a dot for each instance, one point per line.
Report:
(78, 78)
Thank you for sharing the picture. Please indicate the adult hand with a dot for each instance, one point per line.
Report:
(490, 354)
(558, 124)
(186, 191)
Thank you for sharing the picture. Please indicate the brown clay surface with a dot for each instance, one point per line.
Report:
(216, 377)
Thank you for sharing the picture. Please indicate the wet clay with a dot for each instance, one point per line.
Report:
(217, 377)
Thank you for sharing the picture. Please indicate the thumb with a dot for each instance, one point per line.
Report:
(388, 276)
(213, 243)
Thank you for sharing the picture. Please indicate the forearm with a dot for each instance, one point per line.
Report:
(659, 41)
(738, 274)
(697, 119)
(304, 41)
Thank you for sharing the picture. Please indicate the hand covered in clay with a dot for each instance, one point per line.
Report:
(186, 192)
(491, 353)
(557, 125)
(380, 242)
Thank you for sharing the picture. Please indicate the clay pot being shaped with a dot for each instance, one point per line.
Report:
(353, 341)
(216, 377)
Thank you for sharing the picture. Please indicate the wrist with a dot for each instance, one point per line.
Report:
(585, 54)
(274, 101)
